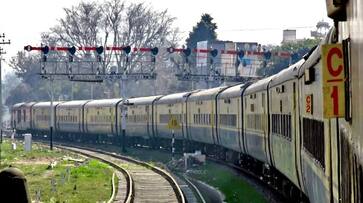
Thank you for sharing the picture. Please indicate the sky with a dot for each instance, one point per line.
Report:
(260, 21)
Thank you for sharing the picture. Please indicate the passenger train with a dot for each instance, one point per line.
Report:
(274, 127)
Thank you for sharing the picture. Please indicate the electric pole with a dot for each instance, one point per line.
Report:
(2, 52)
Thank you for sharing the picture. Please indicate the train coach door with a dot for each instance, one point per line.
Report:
(296, 133)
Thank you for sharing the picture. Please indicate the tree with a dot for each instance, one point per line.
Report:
(110, 23)
(204, 30)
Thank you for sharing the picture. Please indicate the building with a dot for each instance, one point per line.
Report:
(226, 64)
(288, 36)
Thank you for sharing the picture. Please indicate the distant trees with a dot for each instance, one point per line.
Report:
(204, 30)
(297, 49)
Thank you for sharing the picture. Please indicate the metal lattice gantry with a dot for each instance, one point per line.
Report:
(92, 64)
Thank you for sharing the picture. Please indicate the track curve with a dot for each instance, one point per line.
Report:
(145, 183)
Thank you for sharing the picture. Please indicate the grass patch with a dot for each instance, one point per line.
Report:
(234, 187)
(68, 181)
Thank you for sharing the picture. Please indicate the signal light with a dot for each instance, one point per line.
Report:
(187, 52)
(45, 49)
(99, 50)
(154, 51)
(28, 48)
(72, 50)
(214, 52)
(170, 50)
(241, 54)
(267, 55)
(126, 49)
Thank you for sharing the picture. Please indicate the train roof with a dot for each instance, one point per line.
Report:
(286, 74)
(29, 104)
(172, 98)
(315, 56)
(18, 105)
(45, 104)
(103, 102)
(311, 61)
(259, 85)
(206, 94)
(143, 100)
(233, 91)
(77, 103)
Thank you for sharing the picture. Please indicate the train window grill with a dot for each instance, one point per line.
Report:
(254, 121)
(313, 139)
(284, 126)
(281, 125)
(228, 120)
(258, 122)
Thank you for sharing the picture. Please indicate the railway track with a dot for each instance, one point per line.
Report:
(144, 182)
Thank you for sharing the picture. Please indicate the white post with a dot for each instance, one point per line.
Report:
(51, 112)
(91, 90)
(172, 145)
(123, 115)
(1, 97)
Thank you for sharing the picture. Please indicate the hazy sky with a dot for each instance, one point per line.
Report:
(260, 21)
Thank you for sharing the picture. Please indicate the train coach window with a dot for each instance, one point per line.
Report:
(281, 125)
(228, 120)
(19, 116)
(313, 139)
